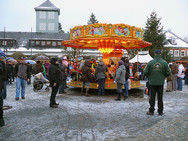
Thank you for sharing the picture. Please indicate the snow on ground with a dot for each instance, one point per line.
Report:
(92, 118)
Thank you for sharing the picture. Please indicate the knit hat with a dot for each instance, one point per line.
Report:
(64, 58)
(157, 51)
(121, 62)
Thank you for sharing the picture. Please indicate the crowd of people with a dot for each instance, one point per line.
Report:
(57, 71)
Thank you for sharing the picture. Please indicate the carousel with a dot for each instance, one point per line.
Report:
(110, 40)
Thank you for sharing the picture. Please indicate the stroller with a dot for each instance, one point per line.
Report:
(39, 81)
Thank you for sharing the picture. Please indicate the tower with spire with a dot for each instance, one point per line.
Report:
(47, 17)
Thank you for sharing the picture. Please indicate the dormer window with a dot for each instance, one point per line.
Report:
(173, 42)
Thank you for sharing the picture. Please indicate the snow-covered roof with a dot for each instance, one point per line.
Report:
(47, 5)
(174, 41)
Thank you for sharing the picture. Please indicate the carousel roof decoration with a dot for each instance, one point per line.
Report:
(106, 37)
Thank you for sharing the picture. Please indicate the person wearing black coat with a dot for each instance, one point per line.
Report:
(2, 79)
(9, 67)
(55, 79)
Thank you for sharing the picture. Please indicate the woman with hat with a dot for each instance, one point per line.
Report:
(120, 79)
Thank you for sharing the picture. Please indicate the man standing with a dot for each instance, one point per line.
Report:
(156, 70)
(55, 78)
(100, 74)
(174, 69)
(22, 73)
(127, 74)
(180, 76)
(2, 78)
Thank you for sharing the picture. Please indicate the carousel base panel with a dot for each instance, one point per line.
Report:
(108, 85)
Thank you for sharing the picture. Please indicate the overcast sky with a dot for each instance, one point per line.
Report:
(19, 15)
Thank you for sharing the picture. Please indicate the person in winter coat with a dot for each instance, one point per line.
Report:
(9, 68)
(47, 65)
(4, 91)
(55, 79)
(180, 76)
(174, 74)
(22, 73)
(37, 68)
(63, 68)
(127, 75)
(156, 71)
(169, 81)
(86, 77)
(186, 74)
(120, 79)
(100, 74)
(2, 79)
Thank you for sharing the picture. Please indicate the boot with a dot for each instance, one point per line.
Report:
(82, 91)
(125, 97)
(87, 91)
(118, 97)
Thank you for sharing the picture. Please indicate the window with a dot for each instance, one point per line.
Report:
(171, 52)
(48, 43)
(182, 53)
(9, 43)
(176, 53)
(51, 15)
(42, 26)
(59, 43)
(51, 26)
(4, 43)
(32, 43)
(42, 15)
(53, 43)
(37, 43)
(43, 43)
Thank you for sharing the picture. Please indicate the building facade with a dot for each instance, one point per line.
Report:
(47, 17)
(178, 47)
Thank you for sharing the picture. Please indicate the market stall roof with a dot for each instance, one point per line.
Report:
(141, 59)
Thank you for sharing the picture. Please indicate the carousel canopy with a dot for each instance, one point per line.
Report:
(141, 58)
(106, 37)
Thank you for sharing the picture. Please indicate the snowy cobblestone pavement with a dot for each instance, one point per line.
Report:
(93, 118)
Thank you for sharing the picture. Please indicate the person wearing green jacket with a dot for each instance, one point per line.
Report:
(44, 70)
(156, 71)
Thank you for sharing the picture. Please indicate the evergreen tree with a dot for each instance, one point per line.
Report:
(92, 19)
(60, 29)
(154, 34)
